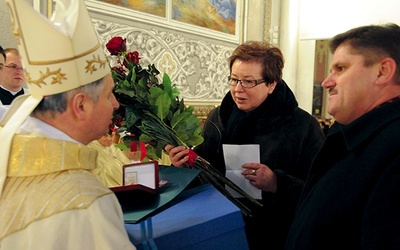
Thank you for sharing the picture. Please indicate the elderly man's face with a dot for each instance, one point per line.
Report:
(106, 140)
(101, 113)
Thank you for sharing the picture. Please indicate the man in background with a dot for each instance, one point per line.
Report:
(351, 197)
(13, 77)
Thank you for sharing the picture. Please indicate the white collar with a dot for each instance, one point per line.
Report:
(34, 126)
(12, 92)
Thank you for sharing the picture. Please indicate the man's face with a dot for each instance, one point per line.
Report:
(106, 140)
(13, 75)
(102, 112)
(351, 86)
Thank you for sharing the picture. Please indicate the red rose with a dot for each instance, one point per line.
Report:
(133, 57)
(119, 69)
(116, 45)
(192, 158)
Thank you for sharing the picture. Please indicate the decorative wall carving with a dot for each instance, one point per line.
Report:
(197, 67)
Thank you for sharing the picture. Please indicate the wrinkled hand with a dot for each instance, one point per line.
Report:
(260, 176)
(177, 155)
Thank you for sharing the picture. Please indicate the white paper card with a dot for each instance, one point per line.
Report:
(235, 156)
(140, 173)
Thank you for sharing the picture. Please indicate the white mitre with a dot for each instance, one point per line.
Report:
(58, 55)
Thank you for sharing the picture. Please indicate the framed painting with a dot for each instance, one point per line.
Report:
(217, 19)
(153, 7)
(217, 15)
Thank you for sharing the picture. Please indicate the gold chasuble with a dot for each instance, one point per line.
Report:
(35, 188)
(109, 163)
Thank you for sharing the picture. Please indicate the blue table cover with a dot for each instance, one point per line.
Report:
(202, 219)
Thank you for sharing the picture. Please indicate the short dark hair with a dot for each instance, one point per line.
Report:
(263, 52)
(3, 53)
(373, 42)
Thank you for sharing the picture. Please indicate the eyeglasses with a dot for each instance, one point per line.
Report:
(14, 67)
(246, 83)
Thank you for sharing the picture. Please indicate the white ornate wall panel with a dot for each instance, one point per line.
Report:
(198, 68)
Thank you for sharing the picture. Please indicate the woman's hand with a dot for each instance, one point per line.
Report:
(177, 155)
(260, 176)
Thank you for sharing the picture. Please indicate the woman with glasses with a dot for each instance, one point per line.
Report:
(261, 109)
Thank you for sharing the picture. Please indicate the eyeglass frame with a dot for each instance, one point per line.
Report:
(14, 67)
(255, 82)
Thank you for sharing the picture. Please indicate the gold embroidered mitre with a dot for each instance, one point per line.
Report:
(58, 55)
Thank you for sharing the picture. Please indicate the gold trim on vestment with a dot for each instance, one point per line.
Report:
(31, 155)
(46, 177)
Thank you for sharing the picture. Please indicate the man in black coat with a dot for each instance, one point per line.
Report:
(351, 199)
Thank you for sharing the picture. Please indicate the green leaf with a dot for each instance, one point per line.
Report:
(167, 84)
(155, 92)
(132, 116)
(178, 118)
(163, 104)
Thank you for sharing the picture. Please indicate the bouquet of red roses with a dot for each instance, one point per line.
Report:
(152, 113)
(150, 110)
